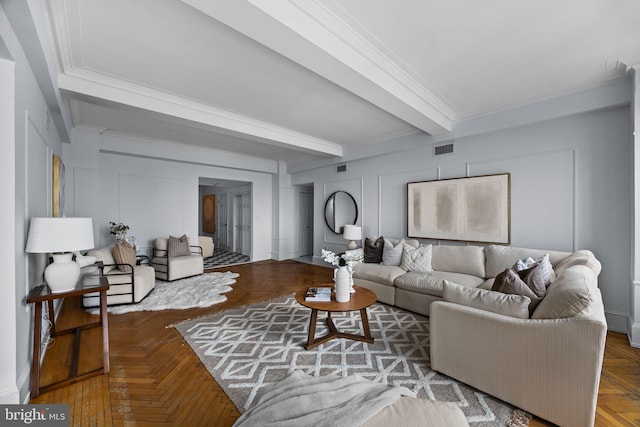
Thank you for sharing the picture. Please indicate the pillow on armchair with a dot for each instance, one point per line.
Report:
(123, 253)
(178, 246)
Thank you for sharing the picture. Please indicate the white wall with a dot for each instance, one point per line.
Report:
(112, 179)
(570, 188)
(28, 144)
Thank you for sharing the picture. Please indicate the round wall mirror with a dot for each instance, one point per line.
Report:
(339, 210)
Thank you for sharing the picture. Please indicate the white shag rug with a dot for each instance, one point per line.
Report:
(199, 291)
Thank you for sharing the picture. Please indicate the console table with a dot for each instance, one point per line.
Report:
(90, 281)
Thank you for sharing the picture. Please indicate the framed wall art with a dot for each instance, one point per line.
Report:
(474, 209)
(57, 184)
(209, 213)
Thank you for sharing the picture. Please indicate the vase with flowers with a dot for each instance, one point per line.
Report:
(119, 230)
(343, 274)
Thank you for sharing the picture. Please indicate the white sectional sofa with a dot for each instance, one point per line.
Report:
(547, 362)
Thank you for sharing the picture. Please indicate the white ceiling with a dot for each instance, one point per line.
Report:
(295, 80)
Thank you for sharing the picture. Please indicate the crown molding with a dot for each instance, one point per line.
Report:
(101, 87)
(310, 34)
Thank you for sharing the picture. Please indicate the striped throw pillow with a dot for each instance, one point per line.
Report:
(178, 246)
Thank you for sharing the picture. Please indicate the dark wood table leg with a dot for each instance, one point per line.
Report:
(365, 324)
(312, 328)
(104, 320)
(35, 363)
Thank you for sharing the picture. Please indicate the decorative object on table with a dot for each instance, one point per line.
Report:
(352, 233)
(120, 230)
(350, 258)
(318, 294)
(59, 237)
(480, 203)
(343, 283)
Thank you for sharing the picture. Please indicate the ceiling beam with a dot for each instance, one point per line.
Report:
(308, 33)
(83, 83)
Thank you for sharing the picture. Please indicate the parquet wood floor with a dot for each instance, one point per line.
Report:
(157, 380)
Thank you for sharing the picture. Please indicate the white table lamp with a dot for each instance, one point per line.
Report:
(60, 237)
(352, 233)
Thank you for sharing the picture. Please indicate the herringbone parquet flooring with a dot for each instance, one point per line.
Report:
(157, 380)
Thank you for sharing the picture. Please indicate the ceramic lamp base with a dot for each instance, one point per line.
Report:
(62, 275)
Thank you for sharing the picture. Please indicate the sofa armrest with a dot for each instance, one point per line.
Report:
(142, 260)
(549, 367)
(196, 250)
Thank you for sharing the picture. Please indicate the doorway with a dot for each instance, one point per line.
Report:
(305, 220)
(233, 217)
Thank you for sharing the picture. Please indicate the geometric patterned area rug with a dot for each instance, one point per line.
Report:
(249, 347)
(223, 258)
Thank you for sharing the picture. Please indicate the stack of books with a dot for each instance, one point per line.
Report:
(318, 294)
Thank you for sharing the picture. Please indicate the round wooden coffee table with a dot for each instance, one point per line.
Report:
(359, 301)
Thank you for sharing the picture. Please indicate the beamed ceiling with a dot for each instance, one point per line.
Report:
(305, 79)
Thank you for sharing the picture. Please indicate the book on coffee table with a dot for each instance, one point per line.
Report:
(318, 294)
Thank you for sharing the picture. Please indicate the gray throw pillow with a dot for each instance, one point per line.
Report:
(178, 246)
(373, 250)
(392, 255)
(529, 282)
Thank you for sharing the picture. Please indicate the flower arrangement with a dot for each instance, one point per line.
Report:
(119, 230)
(347, 259)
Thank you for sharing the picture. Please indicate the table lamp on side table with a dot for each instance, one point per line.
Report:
(353, 233)
(60, 237)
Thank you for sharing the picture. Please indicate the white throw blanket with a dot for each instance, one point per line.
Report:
(304, 400)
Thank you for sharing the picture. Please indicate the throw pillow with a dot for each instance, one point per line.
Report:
(373, 250)
(547, 268)
(529, 282)
(416, 259)
(178, 246)
(123, 253)
(484, 299)
(392, 255)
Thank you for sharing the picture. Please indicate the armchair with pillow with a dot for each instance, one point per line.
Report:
(174, 258)
(130, 277)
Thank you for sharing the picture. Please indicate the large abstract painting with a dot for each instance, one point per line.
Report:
(475, 209)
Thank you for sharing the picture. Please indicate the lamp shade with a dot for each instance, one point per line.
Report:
(352, 232)
(52, 235)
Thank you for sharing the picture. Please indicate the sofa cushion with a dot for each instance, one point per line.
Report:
(392, 253)
(373, 250)
(123, 253)
(496, 302)
(569, 294)
(416, 259)
(105, 256)
(178, 246)
(431, 283)
(581, 257)
(501, 257)
(459, 259)
(529, 282)
(385, 274)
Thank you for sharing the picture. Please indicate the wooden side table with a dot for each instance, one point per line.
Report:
(88, 282)
(359, 301)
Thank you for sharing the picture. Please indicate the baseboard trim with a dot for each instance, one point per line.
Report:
(633, 333)
(617, 322)
(10, 396)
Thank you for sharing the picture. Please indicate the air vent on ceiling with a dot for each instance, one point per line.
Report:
(341, 168)
(443, 149)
